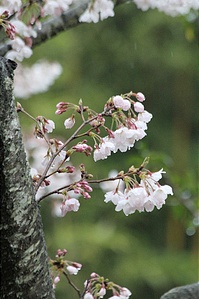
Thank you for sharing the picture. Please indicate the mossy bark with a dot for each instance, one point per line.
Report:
(24, 260)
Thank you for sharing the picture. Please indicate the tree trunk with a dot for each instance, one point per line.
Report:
(24, 260)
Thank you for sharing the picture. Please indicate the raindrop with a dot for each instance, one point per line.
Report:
(190, 231)
(186, 194)
(196, 221)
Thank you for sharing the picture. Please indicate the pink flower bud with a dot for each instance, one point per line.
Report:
(126, 105)
(119, 102)
(138, 107)
(93, 275)
(140, 97)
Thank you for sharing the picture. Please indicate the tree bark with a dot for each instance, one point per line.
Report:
(24, 260)
(190, 291)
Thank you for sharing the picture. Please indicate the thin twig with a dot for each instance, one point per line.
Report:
(73, 136)
(72, 284)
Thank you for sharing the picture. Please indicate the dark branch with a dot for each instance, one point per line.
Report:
(55, 25)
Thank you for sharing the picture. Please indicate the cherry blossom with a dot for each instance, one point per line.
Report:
(12, 5)
(56, 7)
(133, 200)
(24, 30)
(88, 296)
(42, 74)
(49, 126)
(172, 7)
(24, 52)
(125, 292)
(119, 102)
(143, 197)
(72, 270)
(71, 204)
(98, 10)
(145, 116)
(104, 149)
(102, 292)
(125, 138)
(115, 197)
(69, 122)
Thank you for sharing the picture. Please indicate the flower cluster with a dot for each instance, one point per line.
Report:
(138, 189)
(56, 8)
(97, 287)
(172, 7)
(60, 265)
(21, 33)
(13, 6)
(42, 74)
(98, 10)
(21, 45)
(71, 203)
(131, 128)
(144, 196)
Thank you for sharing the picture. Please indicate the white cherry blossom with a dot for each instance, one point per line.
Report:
(72, 270)
(88, 296)
(12, 5)
(143, 197)
(98, 10)
(42, 74)
(49, 126)
(115, 197)
(69, 122)
(104, 150)
(145, 116)
(71, 204)
(172, 7)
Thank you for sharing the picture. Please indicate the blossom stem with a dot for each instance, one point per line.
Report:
(72, 284)
(89, 181)
(73, 136)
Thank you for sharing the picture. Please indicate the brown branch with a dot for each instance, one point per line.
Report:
(72, 284)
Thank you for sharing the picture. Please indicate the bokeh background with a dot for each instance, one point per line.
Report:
(156, 54)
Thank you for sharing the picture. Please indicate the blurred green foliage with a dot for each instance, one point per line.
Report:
(155, 54)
